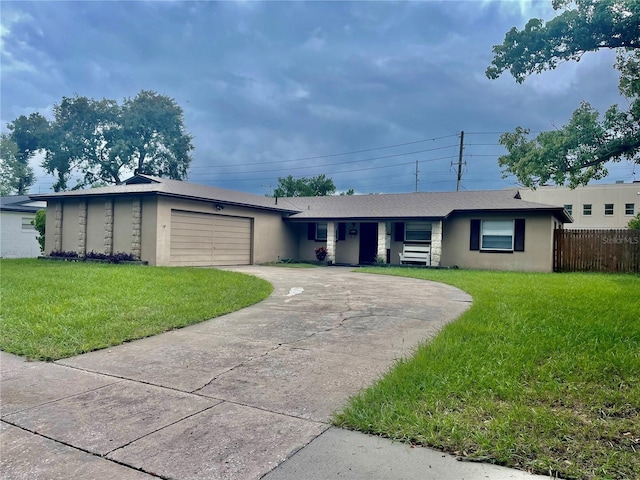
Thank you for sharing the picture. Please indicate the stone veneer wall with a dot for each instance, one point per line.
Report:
(108, 227)
(136, 227)
(82, 228)
(331, 242)
(436, 243)
(382, 241)
(57, 231)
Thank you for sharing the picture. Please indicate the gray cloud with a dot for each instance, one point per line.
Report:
(262, 83)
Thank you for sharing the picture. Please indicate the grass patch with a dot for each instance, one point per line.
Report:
(542, 373)
(53, 309)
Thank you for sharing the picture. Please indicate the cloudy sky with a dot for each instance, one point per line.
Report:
(358, 91)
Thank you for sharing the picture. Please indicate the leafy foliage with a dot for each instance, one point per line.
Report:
(634, 223)
(318, 186)
(577, 152)
(40, 223)
(100, 140)
(16, 176)
(116, 257)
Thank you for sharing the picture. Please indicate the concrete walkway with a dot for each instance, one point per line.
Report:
(244, 396)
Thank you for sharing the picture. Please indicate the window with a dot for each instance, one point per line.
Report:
(317, 231)
(417, 232)
(26, 223)
(321, 231)
(586, 209)
(629, 209)
(497, 235)
(608, 208)
(569, 209)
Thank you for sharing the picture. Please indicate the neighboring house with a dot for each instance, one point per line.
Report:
(169, 222)
(592, 206)
(17, 234)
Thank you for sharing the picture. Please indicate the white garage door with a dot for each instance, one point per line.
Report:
(201, 239)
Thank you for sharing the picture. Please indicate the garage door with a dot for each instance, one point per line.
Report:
(200, 239)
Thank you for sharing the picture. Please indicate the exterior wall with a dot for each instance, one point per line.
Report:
(538, 244)
(618, 194)
(348, 250)
(396, 247)
(14, 241)
(70, 226)
(95, 225)
(271, 237)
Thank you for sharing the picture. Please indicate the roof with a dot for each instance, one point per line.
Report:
(378, 206)
(415, 205)
(148, 184)
(20, 203)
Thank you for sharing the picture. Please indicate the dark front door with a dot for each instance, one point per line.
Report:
(368, 243)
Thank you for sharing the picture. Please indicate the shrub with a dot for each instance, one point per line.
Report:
(39, 223)
(63, 254)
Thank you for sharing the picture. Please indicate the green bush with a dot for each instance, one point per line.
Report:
(634, 223)
(40, 222)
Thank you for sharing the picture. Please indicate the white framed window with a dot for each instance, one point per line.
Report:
(569, 208)
(608, 209)
(629, 209)
(586, 209)
(417, 232)
(321, 231)
(26, 224)
(496, 235)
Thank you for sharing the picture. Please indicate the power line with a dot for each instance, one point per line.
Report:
(330, 164)
(342, 154)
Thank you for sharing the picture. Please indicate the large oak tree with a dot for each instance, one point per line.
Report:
(100, 142)
(577, 152)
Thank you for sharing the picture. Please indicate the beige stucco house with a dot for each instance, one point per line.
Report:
(169, 222)
(602, 206)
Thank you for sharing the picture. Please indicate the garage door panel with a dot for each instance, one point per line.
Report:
(201, 239)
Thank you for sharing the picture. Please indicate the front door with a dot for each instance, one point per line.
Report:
(368, 243)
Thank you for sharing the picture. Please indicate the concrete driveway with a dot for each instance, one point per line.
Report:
(233, 397)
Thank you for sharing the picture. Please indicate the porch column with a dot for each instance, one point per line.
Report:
(382, 241)
(331, 242)
(436, 243)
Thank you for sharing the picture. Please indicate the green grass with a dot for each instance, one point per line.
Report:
(53, 309)
(542, 373)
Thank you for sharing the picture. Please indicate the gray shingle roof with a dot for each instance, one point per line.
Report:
(145, 184)
(20, 203)
(414, 205)
(379, 206)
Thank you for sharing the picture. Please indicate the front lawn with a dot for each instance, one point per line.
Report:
(542, 373)
(53, 309)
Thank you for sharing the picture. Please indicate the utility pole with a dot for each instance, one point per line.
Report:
(460, 161)
(416, 174)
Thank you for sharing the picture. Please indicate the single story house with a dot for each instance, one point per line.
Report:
(170, 222)
(17, 234)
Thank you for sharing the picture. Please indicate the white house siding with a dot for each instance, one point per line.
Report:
(16, 242)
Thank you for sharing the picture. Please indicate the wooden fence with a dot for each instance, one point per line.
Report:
(596, 251)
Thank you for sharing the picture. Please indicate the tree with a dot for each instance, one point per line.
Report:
(634, 223)
(16, 176)
(100, 141)
(318, 186)
(575, 153)
(18, 148)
